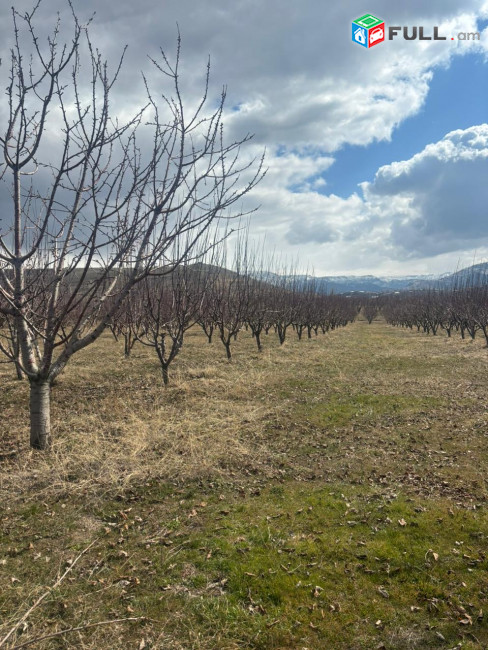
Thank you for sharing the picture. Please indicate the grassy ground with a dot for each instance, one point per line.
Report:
(328, 494)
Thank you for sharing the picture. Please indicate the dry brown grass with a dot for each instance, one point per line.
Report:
(114, 423)
(368, 423)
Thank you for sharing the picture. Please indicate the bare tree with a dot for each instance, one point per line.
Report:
(258, 307)
(170, 306)
(286, 296)
(94, 210)
(230, 294)
(370, 309)
(462, 307)
(127, 320)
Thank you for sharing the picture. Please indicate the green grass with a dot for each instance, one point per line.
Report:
(292, 566)
(339, 410)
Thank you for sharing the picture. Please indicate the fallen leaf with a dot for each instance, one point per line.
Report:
(467, 620)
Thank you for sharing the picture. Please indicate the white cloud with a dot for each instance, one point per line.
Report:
(292, 71)
(424, 214)
(437, 201)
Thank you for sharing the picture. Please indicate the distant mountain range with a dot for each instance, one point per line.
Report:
(477, 274)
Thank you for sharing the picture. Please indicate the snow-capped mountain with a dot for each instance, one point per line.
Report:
(476, 274)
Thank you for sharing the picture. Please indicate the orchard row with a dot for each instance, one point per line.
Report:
(463, 310)
(160, 311)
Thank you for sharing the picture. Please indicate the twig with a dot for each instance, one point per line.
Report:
(77, 629)
(44, 595)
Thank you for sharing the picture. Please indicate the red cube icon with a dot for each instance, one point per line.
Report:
(377, 35)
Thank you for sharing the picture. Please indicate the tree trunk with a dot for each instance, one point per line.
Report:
(128, 344)
(18, 365)
(40, 414)
(164, 370)
(18, 370)
(208, 331)
(257, 336)
(227, 350)
(281, 333)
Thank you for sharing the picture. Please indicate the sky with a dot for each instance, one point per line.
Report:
(377, 158)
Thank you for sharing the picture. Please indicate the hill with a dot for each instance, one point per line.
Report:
(475, 274)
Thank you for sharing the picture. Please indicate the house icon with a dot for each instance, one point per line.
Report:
(360, 35)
